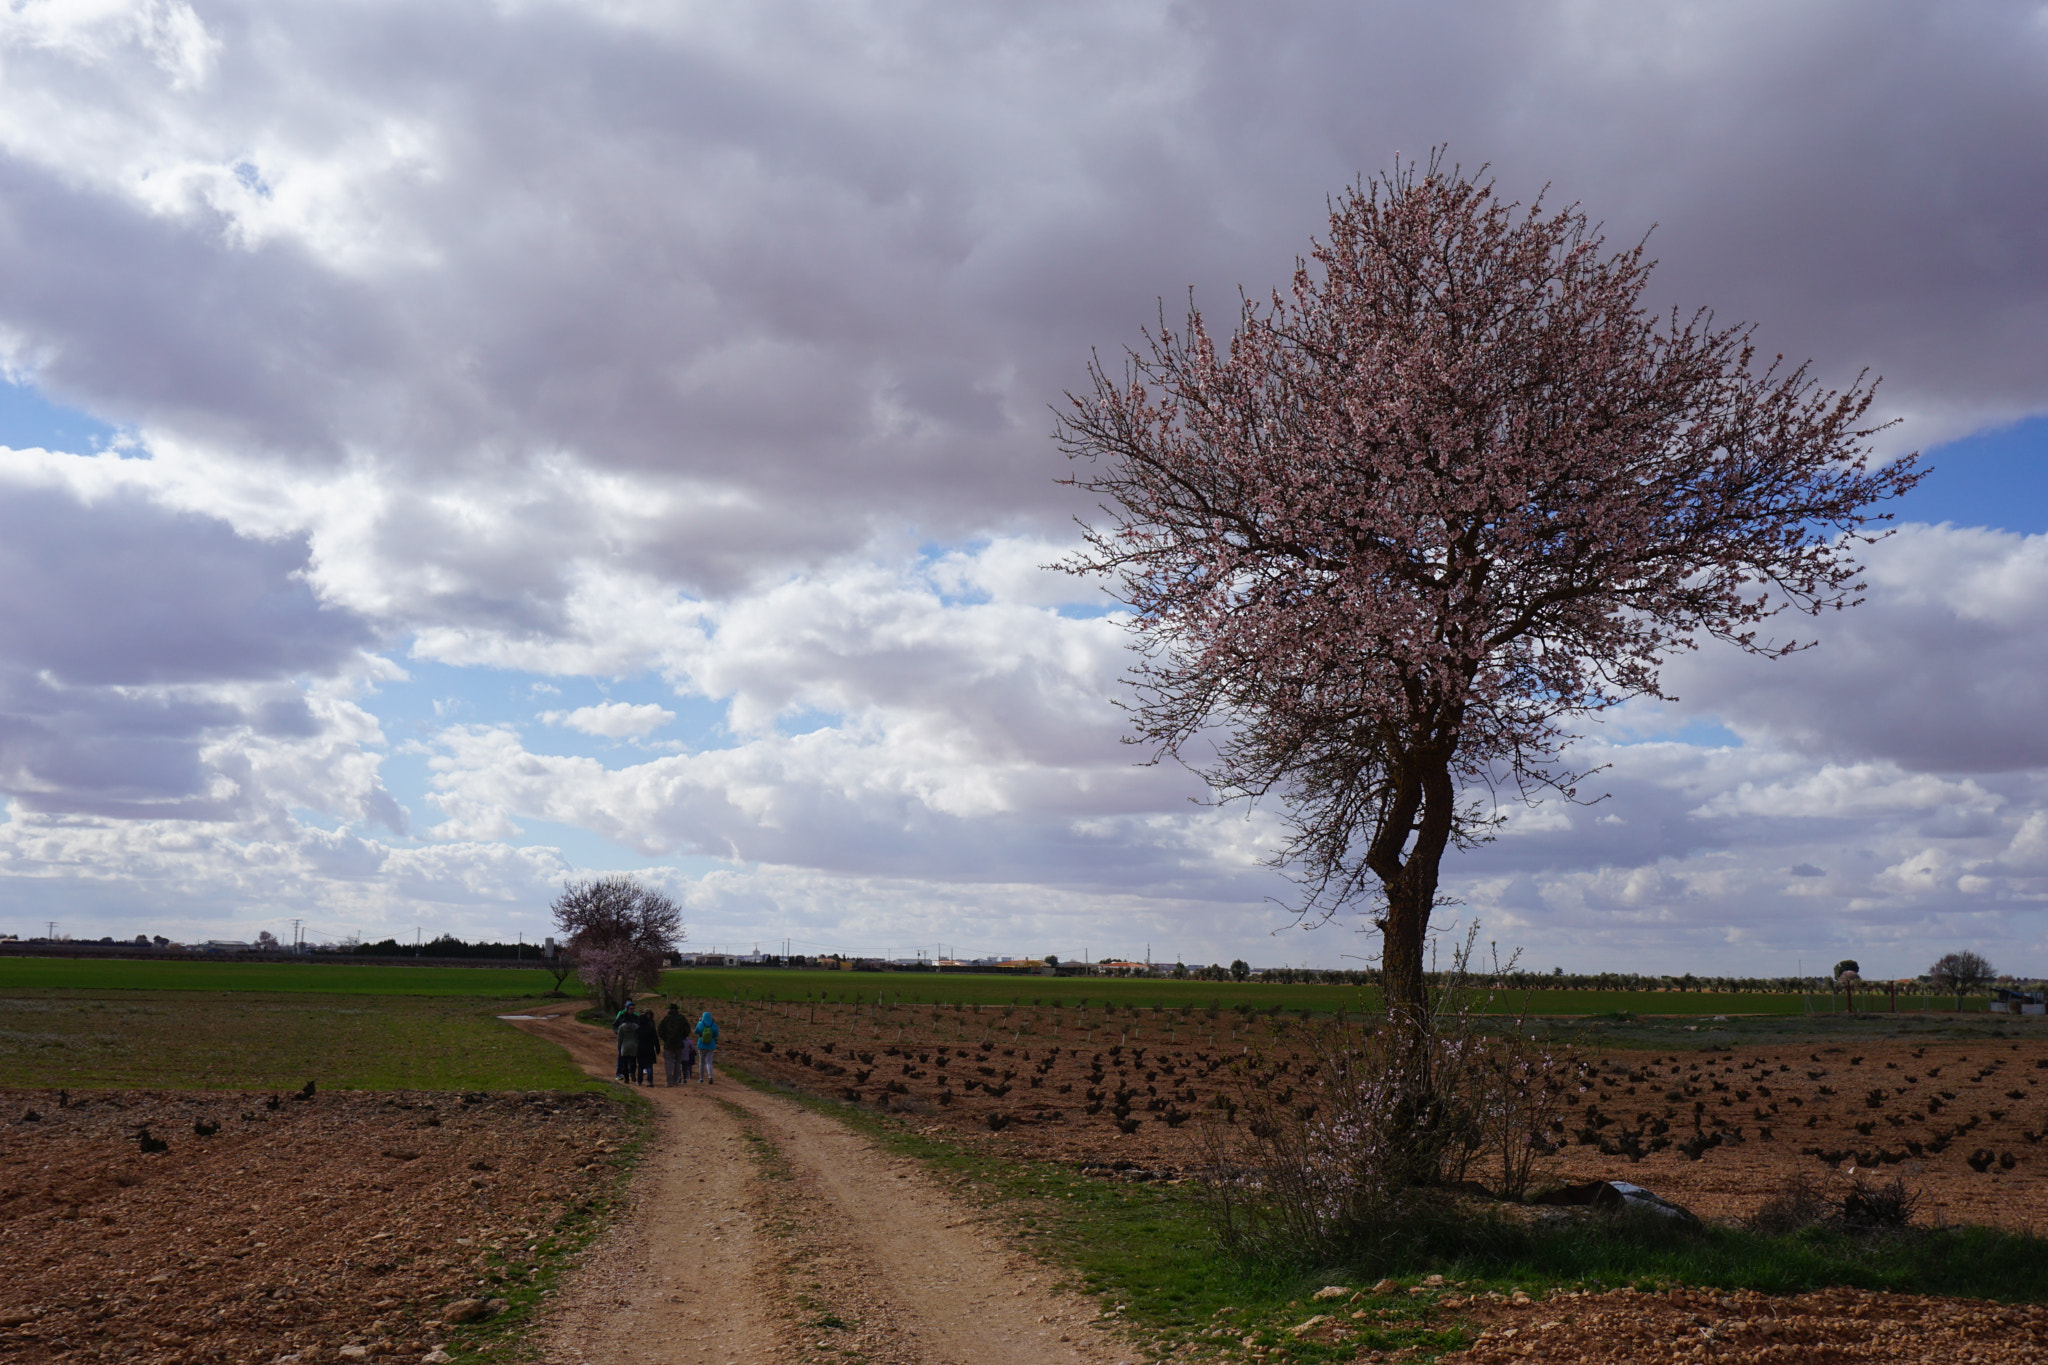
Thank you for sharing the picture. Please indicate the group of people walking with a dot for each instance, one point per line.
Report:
(688, 1049)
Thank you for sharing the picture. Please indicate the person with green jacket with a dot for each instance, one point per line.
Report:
(707, 1044)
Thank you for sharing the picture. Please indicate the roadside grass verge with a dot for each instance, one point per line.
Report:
(192, 1040)
(1150, 1254)
(526, 1277)
(1649, 1252)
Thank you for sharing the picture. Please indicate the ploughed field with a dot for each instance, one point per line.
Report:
(151, 1226)
(1717, 1128)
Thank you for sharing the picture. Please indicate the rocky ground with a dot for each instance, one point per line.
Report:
(1623, 1327)
(233, 1227)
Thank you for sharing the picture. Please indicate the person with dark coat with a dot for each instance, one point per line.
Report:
(674, 1032)
(650, 1044)
(627, 1027)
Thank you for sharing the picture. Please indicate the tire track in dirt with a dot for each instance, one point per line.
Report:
(763, 1232)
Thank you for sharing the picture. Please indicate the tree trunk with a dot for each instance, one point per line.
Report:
(1401, 936)
(1410, 887)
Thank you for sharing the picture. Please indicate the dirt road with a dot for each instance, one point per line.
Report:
(762, 1233)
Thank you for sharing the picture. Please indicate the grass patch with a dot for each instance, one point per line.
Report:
(1645, 1251)
(188, 1040)
(321, 978)
(716, 984)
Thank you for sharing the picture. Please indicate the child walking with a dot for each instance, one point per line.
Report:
(707, 1044)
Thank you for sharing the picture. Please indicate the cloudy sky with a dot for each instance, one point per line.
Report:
(452, 448)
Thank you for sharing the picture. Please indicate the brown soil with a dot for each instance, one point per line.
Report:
(1781, 1109)
(342, 1220)
(760, 1231)
(766, 1233)
(1981, 1100)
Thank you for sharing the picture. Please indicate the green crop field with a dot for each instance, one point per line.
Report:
(337, 978)
(715, 983)
(251, 1040)
(84, 1023)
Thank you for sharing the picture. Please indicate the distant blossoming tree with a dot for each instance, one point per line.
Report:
(1848, 975)
(1962, 973)
(1453, 489)
(617, 933)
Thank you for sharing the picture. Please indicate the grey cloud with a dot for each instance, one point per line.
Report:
(1938, 670)
(1807, 870)
(823, 295)
(131, 636)
(597, 302)
(121, 592)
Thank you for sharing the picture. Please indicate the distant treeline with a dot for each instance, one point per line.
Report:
(447, 945)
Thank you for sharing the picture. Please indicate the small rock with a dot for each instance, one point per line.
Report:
(1315, 1321)
(401, 1154)
(1330, 1291)
(466, 1310)
(355, 1352)
(496, 1306)
(1385, 1287)
(17, 1317)
(437, 1356)
(1434, 1281)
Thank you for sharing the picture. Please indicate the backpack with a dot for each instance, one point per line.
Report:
(629, 1038)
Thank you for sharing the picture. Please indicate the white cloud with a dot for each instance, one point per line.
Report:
(613, 719)
(716, 345)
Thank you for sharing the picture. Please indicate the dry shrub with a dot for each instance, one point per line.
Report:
(1400, 1114)
(1889, 1205)
(1797, 1203)
(1800, 1202)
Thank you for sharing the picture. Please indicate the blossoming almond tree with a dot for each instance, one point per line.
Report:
(1452, 490)
(618, 933)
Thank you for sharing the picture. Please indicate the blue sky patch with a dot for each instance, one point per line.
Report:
(28, 420)
(1994, 478)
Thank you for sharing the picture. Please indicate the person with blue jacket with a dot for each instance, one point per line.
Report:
(707, 1044)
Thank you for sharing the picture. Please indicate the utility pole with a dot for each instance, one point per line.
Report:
(295, 937)
(416, 932)
(53, 938)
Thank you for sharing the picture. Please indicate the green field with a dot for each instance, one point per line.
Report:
(251, 1040)
(1067, 992)
(336, 978)
(506, 983)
